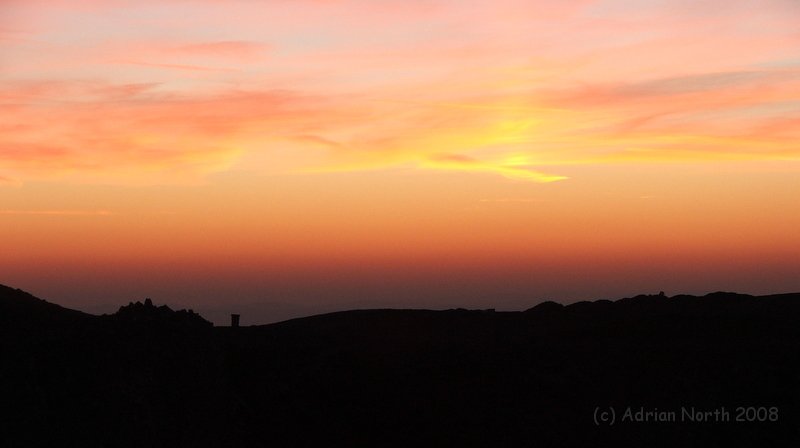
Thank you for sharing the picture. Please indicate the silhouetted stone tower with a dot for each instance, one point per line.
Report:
(234, 320)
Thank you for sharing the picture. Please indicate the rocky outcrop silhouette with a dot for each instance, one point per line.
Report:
(147, 313)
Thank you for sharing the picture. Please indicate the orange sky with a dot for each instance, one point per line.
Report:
(295, 157)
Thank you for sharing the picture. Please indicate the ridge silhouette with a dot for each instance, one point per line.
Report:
(148, 376)
(148, 313)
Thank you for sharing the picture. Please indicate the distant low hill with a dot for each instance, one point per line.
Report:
(552, 375)
(17, 306)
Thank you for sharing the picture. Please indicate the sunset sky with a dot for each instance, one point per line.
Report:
(288, 157)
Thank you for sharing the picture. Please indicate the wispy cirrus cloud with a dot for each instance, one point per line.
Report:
(510, 169)
(4, 180)
(226, 49)
(512, 87)
(56, 212)
(215, 56)
(100, 130)
(197, 68)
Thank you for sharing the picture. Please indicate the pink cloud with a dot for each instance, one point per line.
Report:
(361, 84)
(96, 130)
(241, 50)
(197, 68)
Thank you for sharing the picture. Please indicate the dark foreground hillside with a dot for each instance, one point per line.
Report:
(718, 370)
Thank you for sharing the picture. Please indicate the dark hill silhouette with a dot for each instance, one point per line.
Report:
(17, 307)
(150, 376)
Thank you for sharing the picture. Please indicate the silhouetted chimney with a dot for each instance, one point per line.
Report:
(234, 320)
